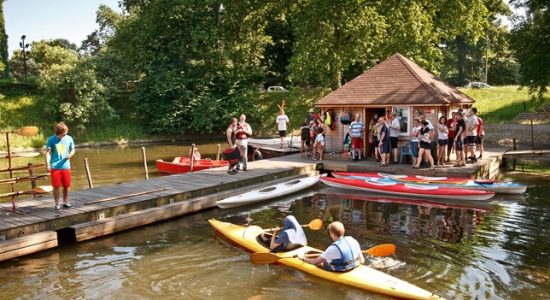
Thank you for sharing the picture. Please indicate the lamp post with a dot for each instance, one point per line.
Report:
(24, 48)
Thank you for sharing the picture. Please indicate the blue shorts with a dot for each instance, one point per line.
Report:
(414, 148)
(386, 147)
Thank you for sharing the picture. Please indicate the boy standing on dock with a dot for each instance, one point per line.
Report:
(243, 132)
(59, 150)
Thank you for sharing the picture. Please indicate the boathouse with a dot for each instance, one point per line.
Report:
(396, 84)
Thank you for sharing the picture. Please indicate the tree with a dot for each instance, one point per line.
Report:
(4, 70)
(72, 94)
(47, 54)
(532, 45)
(17, 67)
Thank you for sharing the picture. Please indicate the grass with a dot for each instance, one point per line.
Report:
(502, 104)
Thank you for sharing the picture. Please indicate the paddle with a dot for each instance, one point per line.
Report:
(24, 178)
(25, 131)
(36, 190)
(270, 258)
(314, 224)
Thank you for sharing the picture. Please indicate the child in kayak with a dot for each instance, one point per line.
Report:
(341, 256)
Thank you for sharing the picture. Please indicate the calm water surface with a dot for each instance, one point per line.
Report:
(460, 250)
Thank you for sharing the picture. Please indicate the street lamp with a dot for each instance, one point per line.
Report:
(24, 47)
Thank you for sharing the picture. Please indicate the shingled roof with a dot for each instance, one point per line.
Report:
(395, 81)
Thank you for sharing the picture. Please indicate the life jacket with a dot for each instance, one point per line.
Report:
(349, 259)
(345, 119)
(328, 119)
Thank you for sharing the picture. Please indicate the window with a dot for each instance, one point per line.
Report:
(403, 114)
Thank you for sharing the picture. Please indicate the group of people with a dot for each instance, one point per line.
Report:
(342, 255)
(384, 137)
(312, 136)
(237, 134)
(461, 133)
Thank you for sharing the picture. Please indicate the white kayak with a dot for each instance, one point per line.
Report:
(270, 192)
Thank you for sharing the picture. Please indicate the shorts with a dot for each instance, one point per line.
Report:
(425, 145)
(393, 141)
(414, 148)
(451, 144)
(282, 133)
(470, 140)
(61, 177)
(458, 145)
(385, 148)
(442, 142)
(479, 140)
(357, 143)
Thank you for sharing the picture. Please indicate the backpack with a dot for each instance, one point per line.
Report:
(345, 119)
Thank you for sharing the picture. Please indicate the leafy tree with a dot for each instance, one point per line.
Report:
(47, 54)
(72, 93)
(197, 61)
(17, 67)
(531, 42)
(3, 43)
(330, 36)
(108, 21)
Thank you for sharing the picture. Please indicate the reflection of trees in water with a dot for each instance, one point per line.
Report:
(449, 224)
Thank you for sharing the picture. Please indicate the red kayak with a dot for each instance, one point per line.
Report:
(443, 204)
(182, 165)
(405, 178)
(407, 189)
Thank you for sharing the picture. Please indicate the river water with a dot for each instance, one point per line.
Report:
(460, 250)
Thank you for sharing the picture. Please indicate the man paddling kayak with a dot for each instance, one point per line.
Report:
(342, 255)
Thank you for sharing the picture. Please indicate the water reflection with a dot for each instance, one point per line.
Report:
(445, 221)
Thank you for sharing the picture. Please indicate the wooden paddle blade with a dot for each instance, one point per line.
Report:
(381, 250)
(315, 224)
(264, 258)
(43, 189)
(27, 131)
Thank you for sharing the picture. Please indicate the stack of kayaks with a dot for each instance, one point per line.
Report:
(448, 182)
(270, 192)
(407, 189)
(361, 277)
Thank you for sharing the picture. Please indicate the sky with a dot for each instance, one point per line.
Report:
(50, 19)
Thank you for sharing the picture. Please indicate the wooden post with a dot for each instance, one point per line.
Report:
(218, 152)
(144, 156)
(191, 158)
(88, 175)
(514, 159)
(532, 137)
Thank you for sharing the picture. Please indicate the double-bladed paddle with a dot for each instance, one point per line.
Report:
(270, 258)
(314, 224)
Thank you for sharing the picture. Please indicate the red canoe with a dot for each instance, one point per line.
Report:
(181, 165)
(406, 189)
(405, 178)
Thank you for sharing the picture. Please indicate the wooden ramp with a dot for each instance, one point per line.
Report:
(105, 210)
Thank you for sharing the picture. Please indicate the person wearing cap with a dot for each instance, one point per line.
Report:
(341, 256)
(310, 116)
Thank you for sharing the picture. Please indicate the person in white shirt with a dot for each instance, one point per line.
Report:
(471, 135)
(282, 121)
(395, 128)
(319, 145)
(356, 129)
(414, 144)
(442, 139)
(341, 256)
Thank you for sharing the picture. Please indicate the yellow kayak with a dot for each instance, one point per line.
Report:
(361, 277)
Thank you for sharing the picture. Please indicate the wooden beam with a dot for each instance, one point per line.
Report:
(27, 244)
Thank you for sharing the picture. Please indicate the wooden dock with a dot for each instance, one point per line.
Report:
(105, 210)
(37, 226)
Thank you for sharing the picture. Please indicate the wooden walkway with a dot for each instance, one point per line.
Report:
(197, 191)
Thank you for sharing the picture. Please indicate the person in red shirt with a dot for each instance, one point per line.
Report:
(451, 125)
(480, 133)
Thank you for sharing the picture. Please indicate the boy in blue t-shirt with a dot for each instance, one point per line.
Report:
(59, 150)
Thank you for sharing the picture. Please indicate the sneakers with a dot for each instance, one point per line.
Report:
(57, 207)
(232, 172)
(67, 205)
(244, 169)
(238, 167)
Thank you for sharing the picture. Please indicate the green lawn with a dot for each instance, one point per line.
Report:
(504, 103)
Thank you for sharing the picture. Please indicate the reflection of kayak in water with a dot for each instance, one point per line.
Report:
(361, 277)
(357, 195)
(408, 190)
(447, 182)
